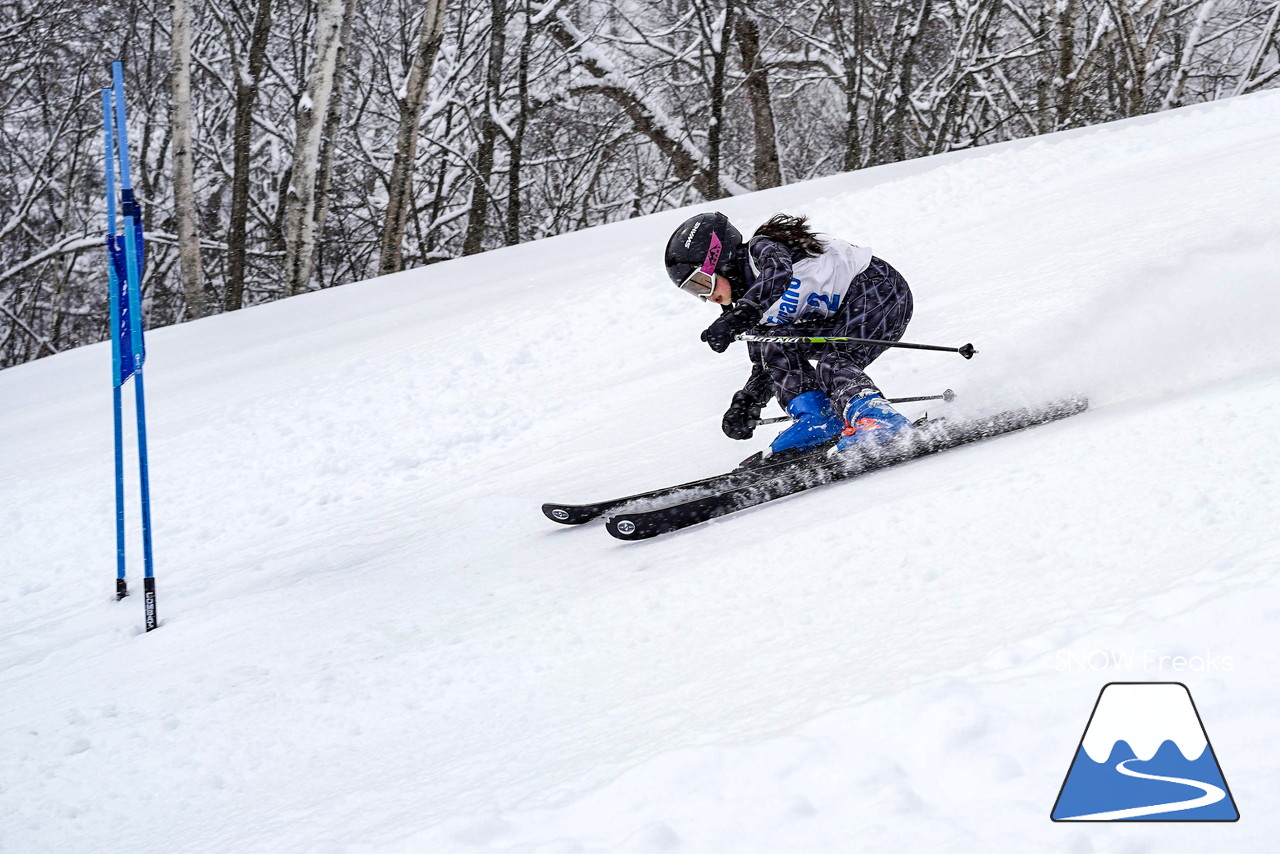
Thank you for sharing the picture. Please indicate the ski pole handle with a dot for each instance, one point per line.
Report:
(967, 350)
(947, 395)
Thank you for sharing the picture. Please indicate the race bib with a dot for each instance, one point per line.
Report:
(818, 286)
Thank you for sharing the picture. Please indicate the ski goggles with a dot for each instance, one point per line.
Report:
(702, 281)
(700, 284)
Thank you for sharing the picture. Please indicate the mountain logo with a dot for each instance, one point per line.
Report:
(1145, 756)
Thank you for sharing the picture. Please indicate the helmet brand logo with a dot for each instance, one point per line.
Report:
(692, 234)
(713, 255)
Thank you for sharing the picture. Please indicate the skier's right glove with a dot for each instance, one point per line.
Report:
(740, 318)
(741, 418)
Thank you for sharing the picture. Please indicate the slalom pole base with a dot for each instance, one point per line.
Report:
(122, 589)
(149, 602)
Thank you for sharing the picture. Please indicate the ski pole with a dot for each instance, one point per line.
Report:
(967, 350)
(947, 395)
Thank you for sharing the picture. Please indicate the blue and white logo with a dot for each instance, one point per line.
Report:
(1145, 756)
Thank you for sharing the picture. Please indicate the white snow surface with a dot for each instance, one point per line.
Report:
(373, 641)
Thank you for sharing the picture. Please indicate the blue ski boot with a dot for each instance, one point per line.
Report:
(815, 422)
(871, 421)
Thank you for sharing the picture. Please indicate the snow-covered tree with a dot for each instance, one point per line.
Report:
(330, 142)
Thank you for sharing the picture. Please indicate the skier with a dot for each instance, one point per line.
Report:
(788, 280)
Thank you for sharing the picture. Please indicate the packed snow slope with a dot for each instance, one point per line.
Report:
(373, 641)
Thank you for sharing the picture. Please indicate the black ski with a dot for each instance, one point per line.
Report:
(818, 470)
(751, 470)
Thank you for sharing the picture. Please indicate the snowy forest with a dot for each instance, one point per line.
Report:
(284, 147)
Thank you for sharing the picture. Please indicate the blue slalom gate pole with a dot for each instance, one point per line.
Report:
(131, 362)
(148, 577)
(113, 280)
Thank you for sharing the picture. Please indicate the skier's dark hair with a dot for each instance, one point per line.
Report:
(793, 231)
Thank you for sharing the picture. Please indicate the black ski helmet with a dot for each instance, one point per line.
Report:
(688, 247)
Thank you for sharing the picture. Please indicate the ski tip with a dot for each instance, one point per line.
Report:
(565, 514)
(626, 528)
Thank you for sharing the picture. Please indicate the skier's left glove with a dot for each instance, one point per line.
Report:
(728, 325)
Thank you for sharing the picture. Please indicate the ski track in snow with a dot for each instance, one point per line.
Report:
(373, 641)
(1210, 794)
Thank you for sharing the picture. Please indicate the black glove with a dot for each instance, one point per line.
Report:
(741, 418)
(740, 318)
